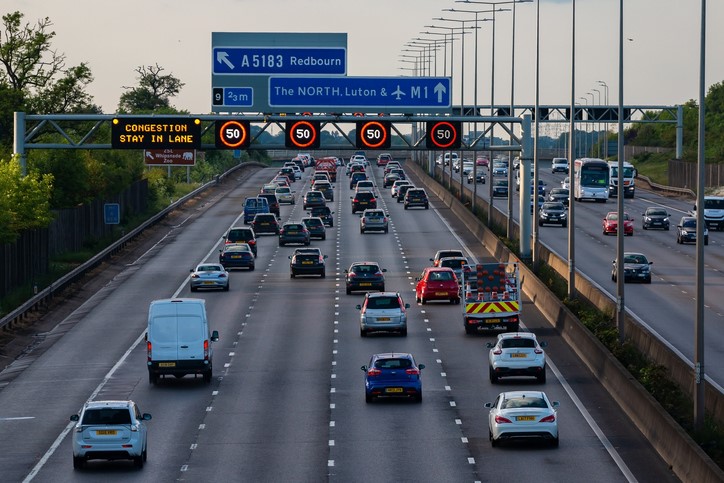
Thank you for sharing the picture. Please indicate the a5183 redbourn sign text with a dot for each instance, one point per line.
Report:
(169, 133)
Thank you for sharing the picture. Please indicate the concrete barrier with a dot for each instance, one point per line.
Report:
(688, 461)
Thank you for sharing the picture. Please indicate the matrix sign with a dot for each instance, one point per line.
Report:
(302, 134)
(373, 135)
(232, 134)
(443, 135)
(158, 133)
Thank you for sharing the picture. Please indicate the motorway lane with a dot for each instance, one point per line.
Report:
(264, 431)
(668, 304)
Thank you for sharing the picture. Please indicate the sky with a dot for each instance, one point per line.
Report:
(661, 47)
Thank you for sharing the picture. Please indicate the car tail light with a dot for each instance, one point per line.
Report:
(252, 242)
(497, 352)
(378, 274)
(222, 275)
(549, 419)
(373, 200)
(501, 420)
(206, 349)
(384, 219)
(149, 351)
(373, 372)
(321, 259)
(352, 274)
(281, 232)
(414, 371)
(195, 275)
(355, 200)
(538, 351)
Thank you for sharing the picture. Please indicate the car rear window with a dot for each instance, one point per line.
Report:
(238, 235)
(382, 303)
(364, 268)
(524, 402)
(514, 343)
(365, 195)
(454, 264)
(293, 226)
(107, 416)
(441, 276)
(393, 363)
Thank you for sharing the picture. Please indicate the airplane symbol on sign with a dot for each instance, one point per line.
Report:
(398, 93)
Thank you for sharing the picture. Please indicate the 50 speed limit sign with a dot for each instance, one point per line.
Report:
(301, 134)
(232, 134)
(373, 135)
(443, 135)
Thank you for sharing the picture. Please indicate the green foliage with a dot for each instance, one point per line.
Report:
(25, 200)
(153, 92)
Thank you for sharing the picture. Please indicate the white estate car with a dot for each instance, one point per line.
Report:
(110, 430)
(523, 415)
(517, 354)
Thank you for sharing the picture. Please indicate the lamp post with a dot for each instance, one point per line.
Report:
(444, 41)
(598, 125)
(571, 164)
(588, 118)
(585, 129)
(605, 123)
(462, 91)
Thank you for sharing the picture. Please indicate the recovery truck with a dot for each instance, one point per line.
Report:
(491, 292)
(329, 166)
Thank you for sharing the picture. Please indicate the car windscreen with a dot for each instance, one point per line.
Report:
(714, 204)
(383, 303)
(393, 363)
(102, 416)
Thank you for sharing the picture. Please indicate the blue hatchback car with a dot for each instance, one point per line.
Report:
(393, 374)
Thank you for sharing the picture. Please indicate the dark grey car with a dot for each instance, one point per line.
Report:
(553, 212)
(655, 217)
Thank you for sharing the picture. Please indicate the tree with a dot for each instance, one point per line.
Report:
(25, 203)
(153, 92)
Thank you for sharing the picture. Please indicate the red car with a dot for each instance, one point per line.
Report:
(482, 161)
(437, 283)
(610, 223)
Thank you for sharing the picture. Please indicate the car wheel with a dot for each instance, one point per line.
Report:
(644, 227)
(405, 206)
(613, 277)
(78, 462)
(666, 228)
(152, 377)
(418, 397)
(349, 291)
(493, 442)
(193, 289)
(145, 454)
(648, 280)
(469, 330)
(281, 244)
(554, 442)
(138, 461)
(369, 398)
(382, 288)
(706, 241)
(291, 275)
(422, 300)
(226, 287)
(324, 237)
(323, 274)
(361, 231)
(540, 223)
(403, 332)
(386, 230)
(565, 225)
(306, 243)
(542, 377)
(331, 224)
(426, 207)
(493, 377)
(207, 375)
(362, 333)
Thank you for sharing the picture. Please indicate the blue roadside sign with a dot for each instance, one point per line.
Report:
(393, 94)
(279, 60)
(112, 213)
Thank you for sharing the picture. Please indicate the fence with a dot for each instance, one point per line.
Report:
(683, 174)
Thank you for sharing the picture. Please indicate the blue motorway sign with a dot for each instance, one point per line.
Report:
(390, 94)
(279, 60)
(233, 96)
(112, 213)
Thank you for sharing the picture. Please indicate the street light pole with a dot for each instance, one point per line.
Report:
(598, 126)
(585, 129)
(571, 163)
(605, 123)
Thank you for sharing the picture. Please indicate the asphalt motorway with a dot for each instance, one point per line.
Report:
(667, 305)
(287, 401)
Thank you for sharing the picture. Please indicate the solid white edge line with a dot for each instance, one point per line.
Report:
(39, 465)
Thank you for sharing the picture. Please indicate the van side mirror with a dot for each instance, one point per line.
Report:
(146, 417)
(489, 405)
(421, 366)
(364, 368)
(358, 307)
(215, 336)
(145, 336)
(75, 417)
(407, 306)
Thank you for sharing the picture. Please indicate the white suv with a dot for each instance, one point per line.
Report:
(517, 354)
(559, 164)
(110, 430)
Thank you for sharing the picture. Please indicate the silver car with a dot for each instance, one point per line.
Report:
(383, 312)
(210, 275)
(373, 220)
(110, 430)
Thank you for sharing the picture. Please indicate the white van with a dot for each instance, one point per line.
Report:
(178, 340)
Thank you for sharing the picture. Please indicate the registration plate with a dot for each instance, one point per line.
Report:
(383, 319)
(166, 364)
(265, 224)
(208, 283)
(441, 294)
(365, 284)
(106, 432)
(393, 389)
(492, 321)
(525, 418)
(236, 256)
(307, 262)
(517, 354)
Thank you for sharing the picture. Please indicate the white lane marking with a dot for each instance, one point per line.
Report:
(592, 423)
(18, 418)
(464, 440)
(471, 461)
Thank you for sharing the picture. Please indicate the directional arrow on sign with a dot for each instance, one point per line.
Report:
(222, 56)
(439, 90)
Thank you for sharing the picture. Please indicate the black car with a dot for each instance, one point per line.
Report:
(293, 232)
(307, 261)
(500, 188)
(356, 176)
(402, 191)
(559, 194)
(265, 223)
(241, 234)
(288, 172)
(686, 231)
(553, 212)
(479, 177)
(363, 200)
(316, 227)
(324, 213)
(326, 188)
(655, 217)
(636, 268)
(237, 255)
(313, 198)
(364, 276)
(273, 203)
(416, 197)
(390, 179)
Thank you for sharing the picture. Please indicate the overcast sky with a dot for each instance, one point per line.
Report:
(661, 51)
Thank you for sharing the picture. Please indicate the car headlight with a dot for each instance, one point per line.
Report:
(564, 215)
